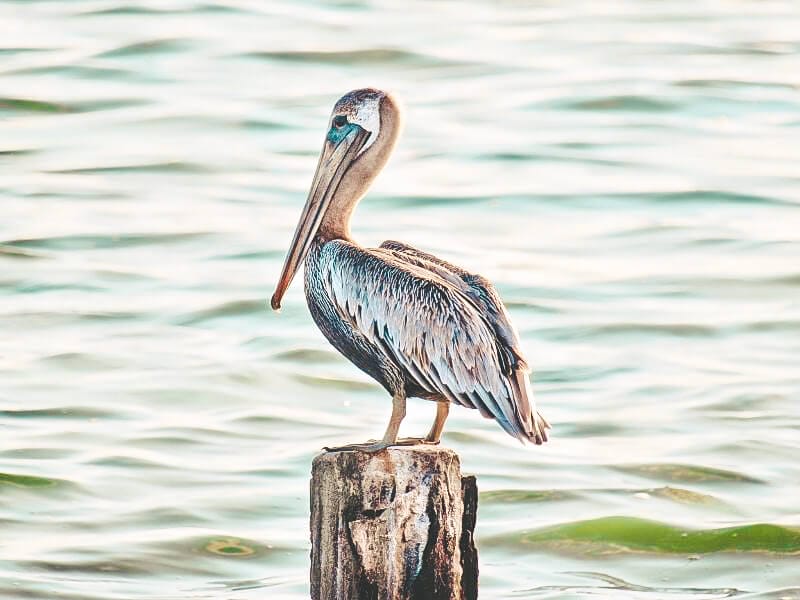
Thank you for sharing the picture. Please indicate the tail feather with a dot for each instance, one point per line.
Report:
(531, 424)
(540, 426)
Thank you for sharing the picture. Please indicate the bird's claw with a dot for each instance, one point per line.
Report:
(373, 446)
(415, 441)
(369, 447)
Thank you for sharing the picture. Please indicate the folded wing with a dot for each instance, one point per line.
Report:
(446, 328)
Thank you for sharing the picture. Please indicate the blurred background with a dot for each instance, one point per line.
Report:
(626, 172)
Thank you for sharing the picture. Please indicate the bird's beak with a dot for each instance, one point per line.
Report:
(341, 148)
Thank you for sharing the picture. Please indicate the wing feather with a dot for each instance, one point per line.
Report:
(477, 288)
(426, 320)
(485, 297)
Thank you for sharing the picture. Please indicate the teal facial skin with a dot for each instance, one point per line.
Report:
(340, 129)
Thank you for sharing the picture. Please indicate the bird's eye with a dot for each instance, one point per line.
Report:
(339, 121)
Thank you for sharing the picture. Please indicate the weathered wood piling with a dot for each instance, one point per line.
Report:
(394, 525)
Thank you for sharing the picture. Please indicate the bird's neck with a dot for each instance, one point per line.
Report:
(336, 222)
(355, 183)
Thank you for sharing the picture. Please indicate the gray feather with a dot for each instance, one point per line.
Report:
(445, 329)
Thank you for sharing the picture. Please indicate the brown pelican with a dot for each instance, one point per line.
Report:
(418, 325)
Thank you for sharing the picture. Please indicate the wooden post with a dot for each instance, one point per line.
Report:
(395, 525)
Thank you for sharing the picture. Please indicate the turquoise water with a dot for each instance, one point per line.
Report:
(627, 173)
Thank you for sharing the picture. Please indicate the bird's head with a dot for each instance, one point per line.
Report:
(362, 131)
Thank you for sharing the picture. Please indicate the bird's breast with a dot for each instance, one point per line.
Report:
(341, 332)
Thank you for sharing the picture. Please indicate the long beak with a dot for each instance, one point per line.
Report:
(334, 161)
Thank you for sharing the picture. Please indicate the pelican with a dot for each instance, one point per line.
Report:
(419, 326)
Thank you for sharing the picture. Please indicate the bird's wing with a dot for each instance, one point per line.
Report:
(433, 329)
(482, 293)
(479, 289)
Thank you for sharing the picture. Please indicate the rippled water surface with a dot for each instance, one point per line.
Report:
(627, 173)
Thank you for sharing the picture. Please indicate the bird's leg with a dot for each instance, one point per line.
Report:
(398, 414)
(442, 410)
(390, 437)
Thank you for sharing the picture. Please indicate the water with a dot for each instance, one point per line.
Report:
(625, 172)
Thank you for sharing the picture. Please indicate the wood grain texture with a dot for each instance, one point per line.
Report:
(396, 525)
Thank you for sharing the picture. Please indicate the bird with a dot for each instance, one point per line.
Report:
(419, 325)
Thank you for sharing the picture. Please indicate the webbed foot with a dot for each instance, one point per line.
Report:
(368, 446)
(414, 441)
(372, 446)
